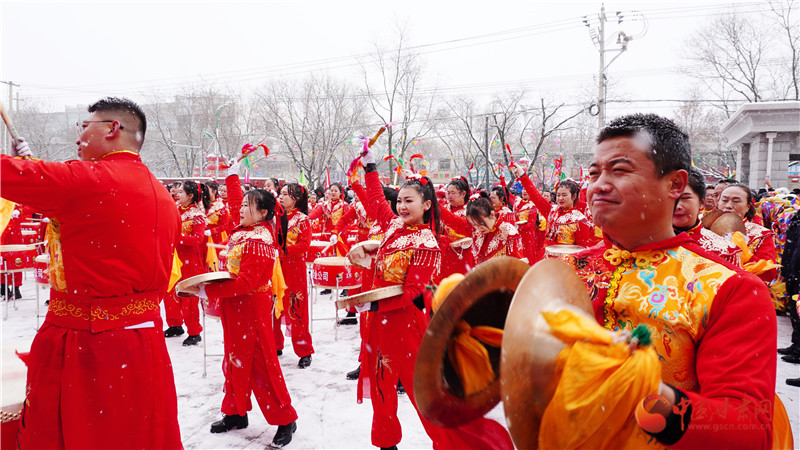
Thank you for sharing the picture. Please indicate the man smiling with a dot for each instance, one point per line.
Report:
(712, 325)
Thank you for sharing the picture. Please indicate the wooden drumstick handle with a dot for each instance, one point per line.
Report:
(377, 135)
(12, 130)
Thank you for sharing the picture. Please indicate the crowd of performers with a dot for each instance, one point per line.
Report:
(263, 237)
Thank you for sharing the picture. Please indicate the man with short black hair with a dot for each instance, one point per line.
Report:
(712, 326)
(99, 375)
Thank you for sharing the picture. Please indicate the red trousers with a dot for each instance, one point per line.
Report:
(11, 278)
(394, 339)
(183, 309)
(113, 389)
(295, 309)
(251, 363)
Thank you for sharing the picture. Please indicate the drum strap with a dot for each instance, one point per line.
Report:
(97, 314)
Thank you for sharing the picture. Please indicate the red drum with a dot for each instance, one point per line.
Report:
(223, 258)
(315, 250)
(31, 226)
(212, 307)
(13, 385)
(30, 236)
(351, 236)
(41, 269)
(17, 258)
(562, 251)
(326, 271)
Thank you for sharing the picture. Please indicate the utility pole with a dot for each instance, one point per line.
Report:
(486, 146)
(599, 38)
(6, 137)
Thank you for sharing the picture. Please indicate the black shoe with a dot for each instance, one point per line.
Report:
(192, 340)
(790, 350)
(173, 331)
(394, 447)
(353, 375)
(325, 292)
(794, 359)
(400, 388)
(349, 319)
(234, 422)
(343, 293)
(793, 382)
(279, 352)
(304, 362)
(17, 293)
(284, 435)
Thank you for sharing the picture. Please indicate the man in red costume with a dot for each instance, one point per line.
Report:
(712, 325)
(99, 375)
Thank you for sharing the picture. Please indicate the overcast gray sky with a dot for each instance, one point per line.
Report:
(71, 53)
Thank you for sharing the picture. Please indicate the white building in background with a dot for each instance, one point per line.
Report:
(766, 137)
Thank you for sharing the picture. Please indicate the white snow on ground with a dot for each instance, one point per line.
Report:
(329, 416)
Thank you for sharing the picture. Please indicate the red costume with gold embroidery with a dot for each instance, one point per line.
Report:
(563, 227)
(408, 256)
(716, 244)
(712, 326)
(12, 235)
(191, 248)
(502, 240)
(761, 242)
(250, 364)
(532, 231)
(218, 220)
(295, 298)
(454, 260)
(329, 213)
(93, 381)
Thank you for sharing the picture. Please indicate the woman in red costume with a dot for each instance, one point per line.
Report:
(455, 260)
(531, 226)
(408, 255)
(686, 218)
(491, 236)
(499, 198)
(330, 212)
(565, 223)
(295, 235)
(737, 198)
(251, 364)
(193, 202)
(218, 217)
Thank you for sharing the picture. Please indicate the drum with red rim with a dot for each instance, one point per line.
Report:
(327, 271)
(562, 251)
(212, 307)
(318, 249)
(41, 269)
(17, 258)
(30, 236)
(13, 392)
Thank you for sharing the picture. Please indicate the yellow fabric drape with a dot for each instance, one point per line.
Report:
(444, 288)
(278, 288)
(469, 357)
(6, 208)
(600, 385)
(175, 273)
(211, 256)
(741, 241)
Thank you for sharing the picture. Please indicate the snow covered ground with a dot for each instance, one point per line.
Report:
(329, 416)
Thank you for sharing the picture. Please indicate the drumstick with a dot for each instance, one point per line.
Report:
(12, 130)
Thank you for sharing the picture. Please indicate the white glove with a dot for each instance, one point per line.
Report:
(369, 157)
(334, 239)
(202, 291)
(23, 149)
(364, 308)
(233, 168)
(15, 214)
(207, 232)
(517, 170)
(46, 220)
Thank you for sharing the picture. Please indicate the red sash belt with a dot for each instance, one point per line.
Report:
(98, 314)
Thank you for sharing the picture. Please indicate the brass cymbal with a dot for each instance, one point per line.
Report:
(728, 223)
(711, 216)
(529, 351)
(481, 298)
